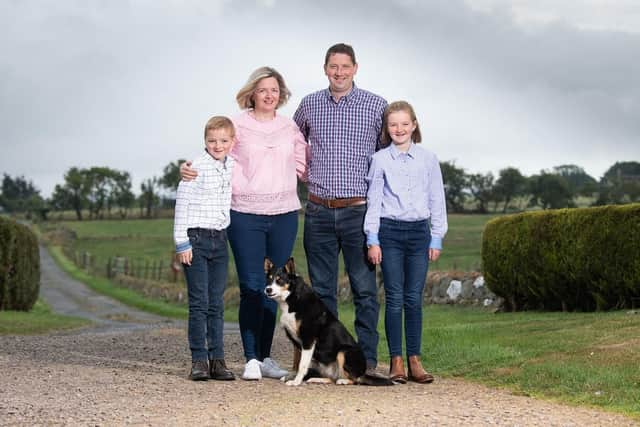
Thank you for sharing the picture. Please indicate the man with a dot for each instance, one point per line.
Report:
(342, 125)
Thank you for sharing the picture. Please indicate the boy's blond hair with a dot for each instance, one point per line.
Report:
(219, 122)
(394, 107)
(246, 92)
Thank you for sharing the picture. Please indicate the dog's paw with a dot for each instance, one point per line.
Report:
(293, 383)
(344, 381)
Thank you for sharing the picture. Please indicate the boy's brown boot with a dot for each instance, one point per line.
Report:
(417, 372)
(396, 371)
(199, 370)
(218, 370)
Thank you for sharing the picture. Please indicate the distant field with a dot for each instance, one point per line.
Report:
(151, 240)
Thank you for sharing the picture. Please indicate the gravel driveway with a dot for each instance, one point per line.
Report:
(131, 368)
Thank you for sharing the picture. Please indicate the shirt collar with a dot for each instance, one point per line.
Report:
(351, 96)
(395, 152)
(219, 164)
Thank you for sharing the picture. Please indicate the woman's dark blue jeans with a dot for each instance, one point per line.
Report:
(405, 261)
(206, 279)
(254, 237)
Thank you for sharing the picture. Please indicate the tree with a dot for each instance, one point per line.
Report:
(171, 175)
(121, 194)
(580, 183)
(620, 184)
(20, 195)
(99, 182)
(550, 191)
(510, 184)
(482, 190)
(455, 181)
(73, 193)
(149, 197)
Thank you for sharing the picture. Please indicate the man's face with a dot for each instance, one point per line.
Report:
(340, 71)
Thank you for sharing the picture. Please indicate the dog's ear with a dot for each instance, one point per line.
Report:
(268, 265)
(290, 266)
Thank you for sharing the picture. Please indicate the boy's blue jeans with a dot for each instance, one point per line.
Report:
(405, 260)
(206, 280)
(326, 232)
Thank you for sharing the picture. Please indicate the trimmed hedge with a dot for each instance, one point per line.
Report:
(19, 266)
(568, 259)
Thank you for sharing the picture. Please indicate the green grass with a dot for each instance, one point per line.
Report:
(39, 320)
(462, 244)
(590, 359)
(146, 241)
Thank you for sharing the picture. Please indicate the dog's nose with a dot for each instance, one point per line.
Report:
(268, 291)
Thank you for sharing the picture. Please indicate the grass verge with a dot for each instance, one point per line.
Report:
(589, 359)
(39, 320)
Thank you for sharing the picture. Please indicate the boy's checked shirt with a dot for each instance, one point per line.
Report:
(205, 201)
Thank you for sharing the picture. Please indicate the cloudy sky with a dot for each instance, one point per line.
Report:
(129, 84)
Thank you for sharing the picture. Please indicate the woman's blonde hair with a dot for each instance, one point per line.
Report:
(245, 95)
(394, 107)
(219, 122)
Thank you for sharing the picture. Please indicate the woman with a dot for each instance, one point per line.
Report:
(269, 152)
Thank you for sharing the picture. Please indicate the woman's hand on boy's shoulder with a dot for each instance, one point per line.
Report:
(187, 173)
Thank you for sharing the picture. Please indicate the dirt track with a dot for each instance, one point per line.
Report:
(131, 368)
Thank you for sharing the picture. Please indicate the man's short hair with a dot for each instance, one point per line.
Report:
(340, 48)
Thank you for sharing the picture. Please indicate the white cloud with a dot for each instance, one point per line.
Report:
(602, 15)
(129, 85)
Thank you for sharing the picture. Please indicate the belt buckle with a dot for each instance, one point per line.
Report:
(330, 203)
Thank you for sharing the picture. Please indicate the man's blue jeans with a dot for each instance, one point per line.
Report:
(405, 260)
(326, 233)
(206, 279)
(254, 237)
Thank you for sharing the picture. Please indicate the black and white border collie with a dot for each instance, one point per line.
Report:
(325, 345)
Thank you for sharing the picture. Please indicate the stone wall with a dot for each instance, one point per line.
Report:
(450, 287)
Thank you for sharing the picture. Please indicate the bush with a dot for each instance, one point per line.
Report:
(568, 259)
(19, 266)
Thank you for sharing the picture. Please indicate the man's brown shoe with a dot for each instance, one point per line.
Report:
(396, 371)
(417, 372)
(199, 370)
(218, 370)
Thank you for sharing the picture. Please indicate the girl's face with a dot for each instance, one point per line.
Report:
(400, 127)
(266, 95)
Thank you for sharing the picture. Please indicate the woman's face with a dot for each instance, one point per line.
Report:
(266, 95)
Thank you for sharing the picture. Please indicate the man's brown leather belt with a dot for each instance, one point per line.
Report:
(338, 203)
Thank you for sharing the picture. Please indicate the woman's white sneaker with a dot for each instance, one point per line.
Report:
(252, 370)
(270, 369)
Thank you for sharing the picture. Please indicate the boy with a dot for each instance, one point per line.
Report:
(201, 219)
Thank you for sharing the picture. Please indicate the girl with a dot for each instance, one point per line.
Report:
(405, 223)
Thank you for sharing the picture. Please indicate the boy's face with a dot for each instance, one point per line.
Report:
(218, 142)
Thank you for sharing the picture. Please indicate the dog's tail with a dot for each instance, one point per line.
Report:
(374, 380)
(355, 364)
